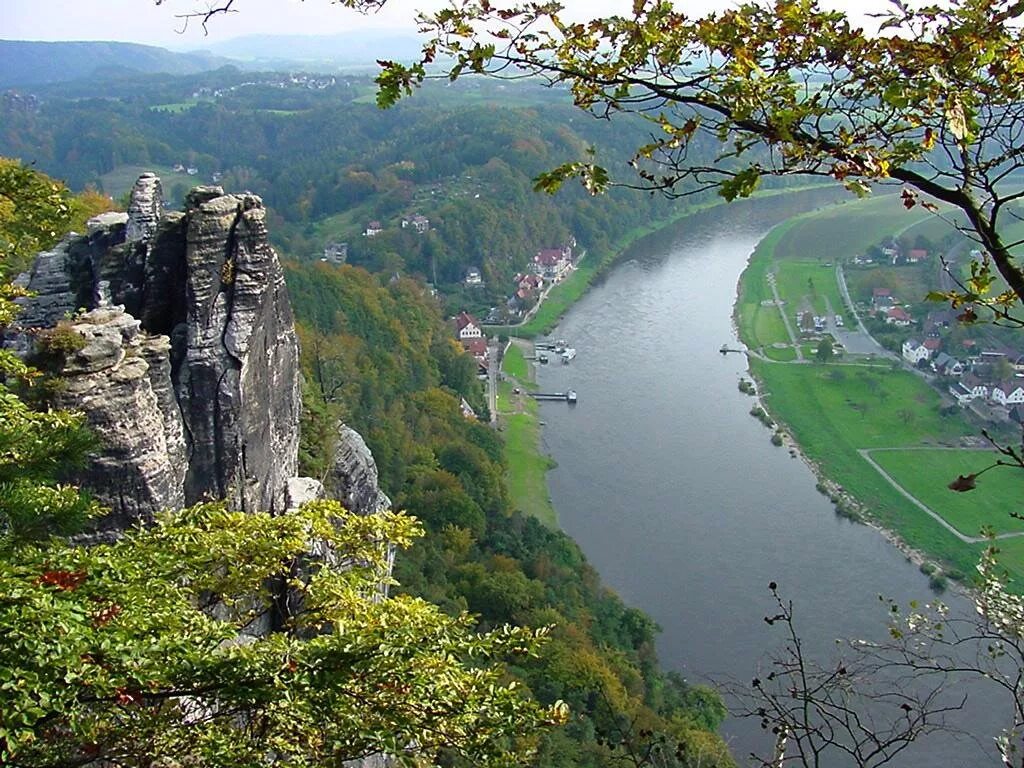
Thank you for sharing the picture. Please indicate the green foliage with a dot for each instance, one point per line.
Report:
(928, 99)
(35, 211)
(110, 652)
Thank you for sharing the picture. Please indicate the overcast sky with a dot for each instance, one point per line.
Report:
(143, 21)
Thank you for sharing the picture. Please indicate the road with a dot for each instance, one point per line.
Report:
(860, 341)
(785, 318)
(492, 380)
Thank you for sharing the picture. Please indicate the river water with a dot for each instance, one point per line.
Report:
(679, 499)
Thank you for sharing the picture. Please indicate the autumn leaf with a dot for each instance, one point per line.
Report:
(963, 483)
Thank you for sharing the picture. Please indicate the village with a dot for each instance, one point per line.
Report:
(970, 365)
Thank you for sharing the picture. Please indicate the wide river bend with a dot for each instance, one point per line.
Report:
(676, 494)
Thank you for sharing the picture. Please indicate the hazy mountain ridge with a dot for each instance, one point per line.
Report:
(29, 62)
(362, 47)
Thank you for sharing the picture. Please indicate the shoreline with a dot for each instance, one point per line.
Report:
(848, 499)
(576, 286)
(529, 464)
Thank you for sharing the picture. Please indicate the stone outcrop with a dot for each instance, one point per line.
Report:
(120, 379)
(189, 372)
(353, 476)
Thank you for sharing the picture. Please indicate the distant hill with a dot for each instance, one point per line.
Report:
(24, 62)
(347, 48)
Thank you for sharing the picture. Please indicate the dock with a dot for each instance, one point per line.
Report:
(726, 349)
(569, 397)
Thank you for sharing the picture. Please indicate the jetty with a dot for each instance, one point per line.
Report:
(569, 397)
(726, 349)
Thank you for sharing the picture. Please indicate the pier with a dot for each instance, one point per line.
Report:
(569, 397)
(726, 349)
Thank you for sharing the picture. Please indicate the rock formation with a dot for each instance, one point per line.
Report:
(353, 476)
(189, 370)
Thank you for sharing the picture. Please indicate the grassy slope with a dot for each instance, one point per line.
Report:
(1001, 489)
(527, 466)
(833, 411)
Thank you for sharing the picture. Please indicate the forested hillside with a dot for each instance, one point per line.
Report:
(30, 62)
(327, 161)
(380, 355)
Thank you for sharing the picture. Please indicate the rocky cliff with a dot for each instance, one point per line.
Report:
(188, 362)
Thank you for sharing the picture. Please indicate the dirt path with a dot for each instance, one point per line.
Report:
(866, 454)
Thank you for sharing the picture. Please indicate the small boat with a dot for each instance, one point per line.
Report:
(568, 355)
(570, 396)
(542, 359)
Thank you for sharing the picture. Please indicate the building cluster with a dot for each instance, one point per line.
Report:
(416, 222)
(549, 266)
(992, 376)
(470, 335)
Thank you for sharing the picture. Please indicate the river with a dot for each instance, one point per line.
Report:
(679, 499)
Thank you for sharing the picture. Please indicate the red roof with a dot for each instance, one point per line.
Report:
(932, 344)
(549, 256)
(475, 347)
(882, 292)
(898, 313)
(463, 319)
(916, 254)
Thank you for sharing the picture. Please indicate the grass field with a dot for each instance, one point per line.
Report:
(1000, 491)
(515, 365)
(527, 466)
(843, 231)
(832, 417)
(760, 324)
(120, 180)
(835, 410)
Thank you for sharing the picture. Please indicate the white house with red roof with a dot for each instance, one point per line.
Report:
(914, 351)
(553, 263)
(898, 316)
(467, 327)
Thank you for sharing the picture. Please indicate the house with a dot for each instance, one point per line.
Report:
(553, 263)
(191, 170)
(420, 223)
(898, 316)
(1008, 392)
(179, 168)
(1017, 363)
(478, 349)
(946, 365)
(914, 352)
(372, 229)
(937, 322)
(881, 298)
(473, 277)
(916, 255)
(932, 345)
(467, 409)
(335, 253)
(974, 386)
(467, 327)
(892, 254)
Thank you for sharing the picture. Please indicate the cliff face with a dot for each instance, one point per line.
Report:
(189, 369)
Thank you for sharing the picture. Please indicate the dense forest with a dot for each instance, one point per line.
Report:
(380, 356)
(327, 161)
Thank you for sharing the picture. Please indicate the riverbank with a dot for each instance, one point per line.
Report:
(562, 296)
(518, 414)
(520, 425)
(843, 416)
